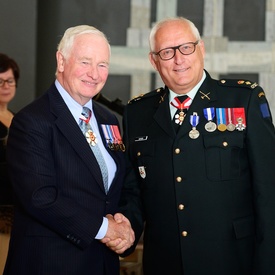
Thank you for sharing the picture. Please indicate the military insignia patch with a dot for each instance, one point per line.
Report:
(142, 171)
(265, 110)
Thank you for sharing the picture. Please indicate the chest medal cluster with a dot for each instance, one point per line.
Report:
(221, 119)
(113, 137)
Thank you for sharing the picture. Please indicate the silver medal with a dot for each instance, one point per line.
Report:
(194, 133)
(210, 126)
(230, 127)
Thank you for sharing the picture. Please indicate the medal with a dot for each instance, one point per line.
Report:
(209, 114)
(91, 137)
(108, 136)
(239, 118)
(210, 126)
(221, 119)
(194, 133)
(113, 137)
(194, 121)
(230, 126)
(179, 117)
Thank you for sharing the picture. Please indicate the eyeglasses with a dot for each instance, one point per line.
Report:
(11, 82)
(185, 49)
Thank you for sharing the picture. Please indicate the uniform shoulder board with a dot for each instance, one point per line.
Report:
(146, 95)
(238, 83)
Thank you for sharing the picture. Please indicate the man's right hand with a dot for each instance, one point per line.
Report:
(120, 235)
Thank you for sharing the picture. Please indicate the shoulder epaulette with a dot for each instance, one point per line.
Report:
(146, 95)
(238, 83)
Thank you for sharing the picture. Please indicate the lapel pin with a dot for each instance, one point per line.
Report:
(205, 95)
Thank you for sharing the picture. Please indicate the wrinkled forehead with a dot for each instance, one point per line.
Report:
(173, 34)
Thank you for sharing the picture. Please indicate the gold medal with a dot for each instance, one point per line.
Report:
(222, 127)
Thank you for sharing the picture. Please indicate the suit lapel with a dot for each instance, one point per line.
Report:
(67, 125)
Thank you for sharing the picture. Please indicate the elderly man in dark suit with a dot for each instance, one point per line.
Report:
(203, 183)
(67, 166)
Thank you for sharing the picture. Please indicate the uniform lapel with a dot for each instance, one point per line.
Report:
(162, 115)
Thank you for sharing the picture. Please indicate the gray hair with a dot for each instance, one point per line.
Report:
(159, 24)
(66, 43)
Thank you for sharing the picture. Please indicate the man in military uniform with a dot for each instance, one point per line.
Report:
(202, 184)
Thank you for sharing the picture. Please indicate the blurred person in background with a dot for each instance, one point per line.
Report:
(9, 75)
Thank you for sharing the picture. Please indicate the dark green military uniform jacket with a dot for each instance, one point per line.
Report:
(208, 203)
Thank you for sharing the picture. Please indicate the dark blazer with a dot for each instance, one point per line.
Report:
(207, 203)
(60, 198)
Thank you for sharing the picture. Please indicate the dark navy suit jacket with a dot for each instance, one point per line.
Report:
(59, 194)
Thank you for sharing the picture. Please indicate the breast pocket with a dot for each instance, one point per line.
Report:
(143, 156)
(223, 153)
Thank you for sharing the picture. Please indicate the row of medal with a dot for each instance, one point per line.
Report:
(229, 119)
(113, 137)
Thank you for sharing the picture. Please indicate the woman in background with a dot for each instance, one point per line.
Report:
(9, 75)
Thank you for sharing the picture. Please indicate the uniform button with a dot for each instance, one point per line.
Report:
(181, 206)
(138, 154)
(225, 144)
(177, 150)
(184, 233)
(178, 179)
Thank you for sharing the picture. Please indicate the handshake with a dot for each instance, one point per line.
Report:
(120, 235)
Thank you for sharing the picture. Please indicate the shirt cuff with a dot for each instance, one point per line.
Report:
(102, 230)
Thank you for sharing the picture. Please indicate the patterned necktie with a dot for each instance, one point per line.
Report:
(91, 139)
(182, 104)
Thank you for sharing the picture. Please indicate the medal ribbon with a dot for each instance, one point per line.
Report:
(117, 134)
(107, 133)
(181, 105)
(194, 120)
(229, 115)
(86, 119)
(209, 113)
(113, 134)
(221, 117)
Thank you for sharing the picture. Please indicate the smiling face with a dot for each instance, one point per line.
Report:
(85, 71)
(182, 72)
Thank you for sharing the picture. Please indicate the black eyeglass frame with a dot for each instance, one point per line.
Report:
(177, 48)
